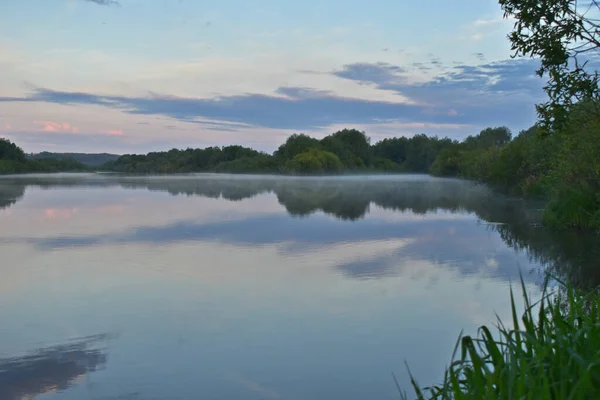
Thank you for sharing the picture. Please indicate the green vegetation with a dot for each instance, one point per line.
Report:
(92, 160)
(550, 353)
(14, 161)
(345, 151)
(564, 35)
(314, 161)
(563, 168)
(234, 159)
(557, 160)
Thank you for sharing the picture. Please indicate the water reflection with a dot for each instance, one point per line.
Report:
(223, 287)
(49, 369)
(516, 221)
(10, 193)
(566, 255)
(345, 198)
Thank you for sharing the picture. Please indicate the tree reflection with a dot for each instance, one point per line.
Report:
(517, 221)
(10, 194)
(49, 369)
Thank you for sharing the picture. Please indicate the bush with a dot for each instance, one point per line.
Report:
(447, 163)
(576, 175)
(314, 161)
(383, 164)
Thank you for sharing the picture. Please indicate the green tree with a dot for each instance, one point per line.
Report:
(447, 163)
(575, 174)
(352, 147)
(393, 149)
(357, 142)
(563, 34)
(314, 161)
(232, 152)
(296, 144)
(10, 151)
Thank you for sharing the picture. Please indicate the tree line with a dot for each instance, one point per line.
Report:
(563, 168)
(345, 151)
(13, 160)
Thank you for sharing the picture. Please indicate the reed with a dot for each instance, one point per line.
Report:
(551, 352)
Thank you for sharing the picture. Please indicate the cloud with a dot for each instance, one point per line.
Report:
(68, 141)
(51, 126)
(495, 93)
(498, 92)
(481, 28)
(508, 75)
(104, 2)
(114, 132)
(371, 73)
(421, 66)
(302, 108)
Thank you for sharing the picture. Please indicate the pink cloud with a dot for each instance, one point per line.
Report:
(114, 132)
(113, 209)
(51, 126)
(8, 127)
(60, 213)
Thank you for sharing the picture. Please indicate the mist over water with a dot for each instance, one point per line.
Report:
(253, 287)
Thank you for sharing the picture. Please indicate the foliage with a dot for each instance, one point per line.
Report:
(575, 199)
(260, 163)
(563, 34)
(296, 144)
(448, 161)
(10, 151)
(415, 154)
(224, 159)
(351, 146)
(92, 160)
(473, 158)
(314, 161)
(550, 353)
(487, 138)
(385, 165)
(563, 168)
(13, 161)
(523, 163)
(393, 149)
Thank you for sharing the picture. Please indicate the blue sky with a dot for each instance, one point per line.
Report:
(141, 75)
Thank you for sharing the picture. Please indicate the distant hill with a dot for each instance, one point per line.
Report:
(92, 160)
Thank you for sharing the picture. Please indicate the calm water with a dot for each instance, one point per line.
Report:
(223, 287)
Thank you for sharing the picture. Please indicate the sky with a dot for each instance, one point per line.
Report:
(132, 76)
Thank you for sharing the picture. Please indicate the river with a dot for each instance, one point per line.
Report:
(256, 287)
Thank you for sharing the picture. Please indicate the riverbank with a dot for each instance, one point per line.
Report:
(562, 169)
(549, 352)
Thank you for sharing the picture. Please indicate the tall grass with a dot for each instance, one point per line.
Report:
(552, 352)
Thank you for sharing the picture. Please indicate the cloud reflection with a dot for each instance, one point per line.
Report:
(436, 215)
(49, 369)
